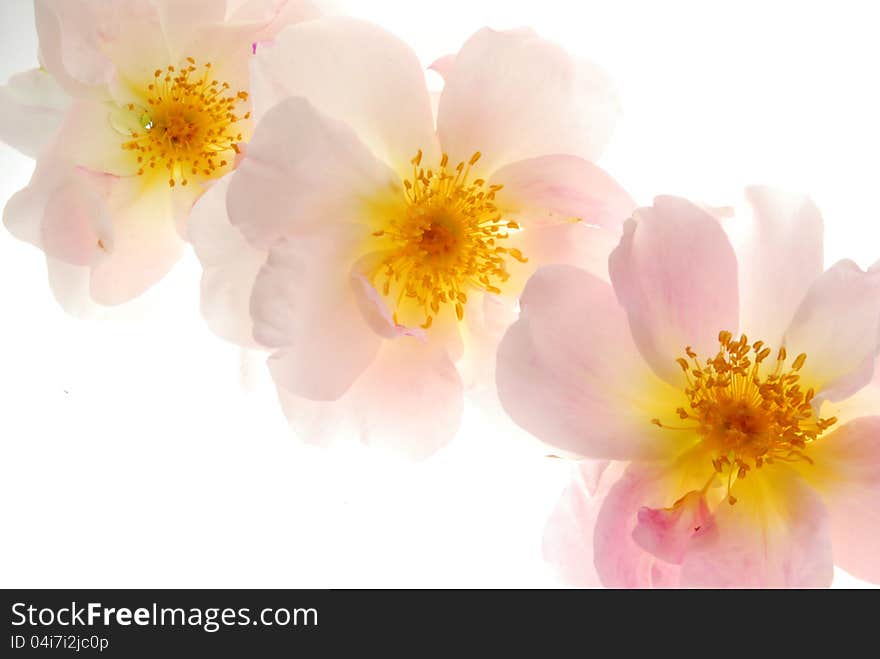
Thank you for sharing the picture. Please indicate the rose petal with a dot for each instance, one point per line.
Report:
(304, 305)
(775, 536)
(408, 402)
(71, 38)
(512, 95)
(568, 535)
(838, 327)
(846, 470)
(443, 66)
(272, 15)
(354, 72)
(569, 209)
(303, 169)
(675, 273)
(230, 265)
(568, 372)
(32, 107)
(667, 532)
(781, 257)
(620, 561)
(145, 243)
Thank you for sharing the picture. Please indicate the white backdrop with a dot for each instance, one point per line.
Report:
(138, 450)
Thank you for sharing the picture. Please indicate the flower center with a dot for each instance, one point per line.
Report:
(448, 241)
(745, 415)
(189, 127)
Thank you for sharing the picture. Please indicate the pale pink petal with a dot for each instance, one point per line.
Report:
(570, 211)
(304, 306)
(76, 225)
(63, 212)
(619, 560)
(443, 66)
(550, 189)
(675, 273)
(32, 107)
(272, 15)
(181, 19)
(838, 327)
(569, 373)
(667, 532)
(229, 267)
(408, 402)
(145, 243)
(846, 471)
(303, 169)
(89, 139)
(24, 212)
(512, 95)
(775, 536)
(568, 534)
(354, 72)
(70, 287)
(485, 322)
(71, 35)
(781, 256)
(375, 309)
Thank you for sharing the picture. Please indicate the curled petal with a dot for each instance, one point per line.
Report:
(667, 532)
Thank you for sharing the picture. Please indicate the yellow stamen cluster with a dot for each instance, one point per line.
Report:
(746, 417)
(189, 126)
(447, 242)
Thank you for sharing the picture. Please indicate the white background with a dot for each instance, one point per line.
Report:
(138, 450)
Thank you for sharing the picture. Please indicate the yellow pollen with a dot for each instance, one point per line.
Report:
(448, 242)
(189, 125)
(747, 412)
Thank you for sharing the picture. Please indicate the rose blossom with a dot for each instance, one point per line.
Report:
(378, 252)
(730, 389)
(138, 107)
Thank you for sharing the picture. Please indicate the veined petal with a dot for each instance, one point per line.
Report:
(408, 402)
(356, 73)
(775, 536)
(846, 470)
(304, 306)
(570, 212)
(32, 107)
(675, 273)
(781, 256)
(569, 373)
(838, 327)
(514, 95)
(304, 169)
